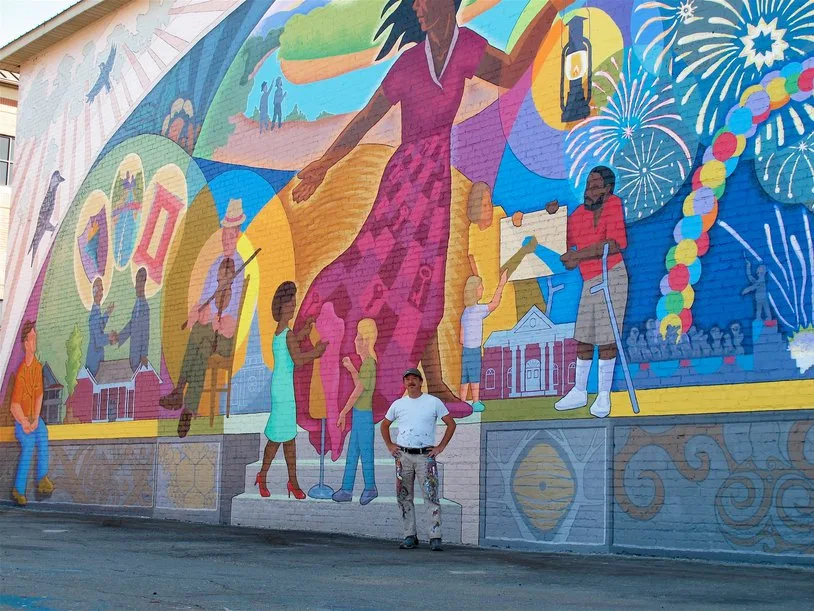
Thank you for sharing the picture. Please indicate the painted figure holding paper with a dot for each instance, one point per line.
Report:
(599, 221)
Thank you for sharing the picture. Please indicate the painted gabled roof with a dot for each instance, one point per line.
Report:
(58, 28)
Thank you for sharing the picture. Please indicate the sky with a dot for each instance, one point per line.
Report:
(20, 16)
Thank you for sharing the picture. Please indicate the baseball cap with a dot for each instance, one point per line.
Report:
(413, 372)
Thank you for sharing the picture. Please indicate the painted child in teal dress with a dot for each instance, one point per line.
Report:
(282, 422)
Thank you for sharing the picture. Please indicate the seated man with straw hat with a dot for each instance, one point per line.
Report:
(213, 319)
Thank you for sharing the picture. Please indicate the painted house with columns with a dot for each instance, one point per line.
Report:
(537, 357)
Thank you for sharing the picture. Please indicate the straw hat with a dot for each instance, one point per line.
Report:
(234, 216)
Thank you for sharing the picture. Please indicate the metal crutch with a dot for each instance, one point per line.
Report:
(603, 286)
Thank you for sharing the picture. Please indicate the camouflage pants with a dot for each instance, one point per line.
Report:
(408, 468)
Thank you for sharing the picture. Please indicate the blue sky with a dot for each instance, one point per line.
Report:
(356, 87)
(19, 16)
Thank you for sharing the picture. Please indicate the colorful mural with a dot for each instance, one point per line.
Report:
(558, 210)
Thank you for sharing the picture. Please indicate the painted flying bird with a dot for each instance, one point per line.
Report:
(46, 210)
(104, 76)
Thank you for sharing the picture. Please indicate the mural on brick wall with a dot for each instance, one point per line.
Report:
(556, 209)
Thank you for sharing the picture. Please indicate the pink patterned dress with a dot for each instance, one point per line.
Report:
(394, 270)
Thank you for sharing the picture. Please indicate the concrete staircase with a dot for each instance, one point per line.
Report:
(380, 518)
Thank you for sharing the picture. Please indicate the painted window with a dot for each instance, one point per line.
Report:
(490, 379)
(113, 405)
(572, 373)
(6, 159)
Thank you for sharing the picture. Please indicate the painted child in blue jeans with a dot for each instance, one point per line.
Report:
(361, 401)
(472, 334)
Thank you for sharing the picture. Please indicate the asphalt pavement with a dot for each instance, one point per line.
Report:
(59, 561)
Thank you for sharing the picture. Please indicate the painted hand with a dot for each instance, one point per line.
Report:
(319, 349)
(394, 449)
(340, 422)
(435, 451)
(529, 245)
(552, 207)
(311, 177)
(570, 259)
(347, 363)
(110, 308)
(227, 325)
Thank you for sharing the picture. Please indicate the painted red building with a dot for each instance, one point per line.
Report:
(535, 358)
(116, 393)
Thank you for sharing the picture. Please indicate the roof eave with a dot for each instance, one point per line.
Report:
(58, 28)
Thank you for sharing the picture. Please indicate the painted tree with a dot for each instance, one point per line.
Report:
(296, 115)
(72, 365)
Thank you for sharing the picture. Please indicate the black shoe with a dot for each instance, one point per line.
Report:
(435, 545)
(409, 543)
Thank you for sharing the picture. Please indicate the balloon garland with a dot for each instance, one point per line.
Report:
(691, 234)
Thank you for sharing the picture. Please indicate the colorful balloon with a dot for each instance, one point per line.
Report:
(724, 146)
(703, 245)
(686, 319)
(679, 278)
(686, 252)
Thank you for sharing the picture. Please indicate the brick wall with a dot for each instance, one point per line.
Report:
(358, 188)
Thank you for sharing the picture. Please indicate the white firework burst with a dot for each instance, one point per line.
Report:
(647, 174)
(657, 24)
(639, 116)
(733, 45)
(787, 174)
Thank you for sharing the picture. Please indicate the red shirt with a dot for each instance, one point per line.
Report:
(582, 233)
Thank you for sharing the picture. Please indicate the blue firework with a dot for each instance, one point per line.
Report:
(639, 130)
(732, 44)
(787, 174)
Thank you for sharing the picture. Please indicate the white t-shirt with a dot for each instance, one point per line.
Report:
(417, 419)
(472, 324)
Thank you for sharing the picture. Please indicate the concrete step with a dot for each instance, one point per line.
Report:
(380, 518)
(308, 474)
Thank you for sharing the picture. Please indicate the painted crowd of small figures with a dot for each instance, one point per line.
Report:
(650, 345)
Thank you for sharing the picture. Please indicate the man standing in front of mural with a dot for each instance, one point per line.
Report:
(137, 329)
(415, 453)
(97, 322)
(29, 427)
(213, 319)
(599, 221)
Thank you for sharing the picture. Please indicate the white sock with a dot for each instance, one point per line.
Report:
(581, 377)
(606, 374)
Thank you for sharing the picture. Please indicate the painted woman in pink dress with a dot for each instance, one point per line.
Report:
(394, 270)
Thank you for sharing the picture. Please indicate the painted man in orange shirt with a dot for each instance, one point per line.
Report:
(29, 427)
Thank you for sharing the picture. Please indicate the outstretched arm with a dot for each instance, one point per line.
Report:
(302, 357)
(505, 69)
(314, 173)
(499, 291)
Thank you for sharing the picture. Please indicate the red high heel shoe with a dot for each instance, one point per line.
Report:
(260, 482)
(298, 494)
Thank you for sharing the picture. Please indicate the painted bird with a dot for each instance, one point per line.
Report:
(46, 210)
(104, 76)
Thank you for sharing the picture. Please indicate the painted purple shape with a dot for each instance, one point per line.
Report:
(482, 133)
(538, 146)
(93, 246)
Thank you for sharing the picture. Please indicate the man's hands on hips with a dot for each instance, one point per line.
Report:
(436, 450)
